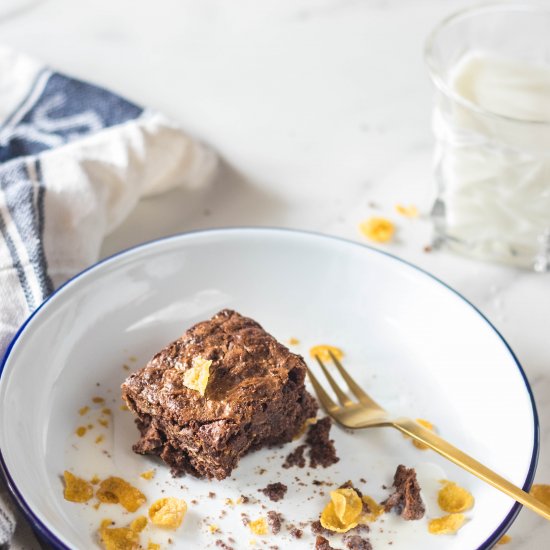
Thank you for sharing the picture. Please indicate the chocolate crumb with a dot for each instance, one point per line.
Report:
(274, 491)
(406, 497)
(362, 480)
(211, 494)
(318, 529)
(244, 499)
(355, 542)
(321, 543)
(296, 533)
(223, 545)
(321, 448)
(274, 520)
(427, 249)
(296, 458)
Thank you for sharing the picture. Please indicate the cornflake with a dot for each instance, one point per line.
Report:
(375, 510)
(196, 378)
(452, 498)
(505, 539)
(343, 511)
(76, 488)
(149, 474)
(379, 230)
(322, 351)
(447, 525)
(407, 211)
(153, 546)
(121, 538)
(168, 512)
(115, 490)
(258, 526)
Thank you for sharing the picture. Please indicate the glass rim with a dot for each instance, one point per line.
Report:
(482, 7)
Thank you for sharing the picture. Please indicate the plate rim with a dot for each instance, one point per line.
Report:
(43, 530)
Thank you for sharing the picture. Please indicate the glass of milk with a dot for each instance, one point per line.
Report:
(491, 69)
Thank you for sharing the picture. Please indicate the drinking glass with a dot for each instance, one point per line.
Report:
(492, 163)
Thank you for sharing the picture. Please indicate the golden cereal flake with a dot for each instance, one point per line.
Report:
(452, 498)
(98, 400)
(375, 510)
(407, 211)
(541, 493)
(343, 511)
(95, 480)
(213, 528)
(76, 488)
(106, 411)
(118, 538)
(379, 230)
(139, 524)
(447, 525)
(149, 474)
(124, 408)
(103, 422)
(168, 512)
(323, 352)
(99, 439)
(293, 341)
(83, 410)
(115, 490)
(258, 526)
(153, 546)
(196, 378)
(505, 539)
(81, 431)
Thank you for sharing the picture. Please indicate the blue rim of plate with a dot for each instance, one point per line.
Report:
(48, 536)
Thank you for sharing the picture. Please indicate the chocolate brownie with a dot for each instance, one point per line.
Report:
(255, 397)
(406, 497)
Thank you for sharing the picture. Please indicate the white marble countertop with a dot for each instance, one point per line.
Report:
(320, 108)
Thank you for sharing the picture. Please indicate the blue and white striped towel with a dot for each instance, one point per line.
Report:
(74, 161)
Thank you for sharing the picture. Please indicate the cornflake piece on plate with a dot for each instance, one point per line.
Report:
(115, 490)
(446, 525)
(453, 499)
(168, 512)
(76, 488)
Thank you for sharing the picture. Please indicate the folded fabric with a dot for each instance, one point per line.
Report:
(74, 161)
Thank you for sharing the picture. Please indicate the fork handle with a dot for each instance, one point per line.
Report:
(416, 431)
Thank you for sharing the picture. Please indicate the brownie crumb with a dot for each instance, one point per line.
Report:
(318, 529)
(296, 458)
(275, 491)
(296, 533)
(245, 519)
(274, 520)
(211, 494)
(321, 448)
(321, 543)
(223, 545)
(406, 497)
(355, 542)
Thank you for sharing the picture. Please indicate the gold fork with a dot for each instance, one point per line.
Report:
(366, 413)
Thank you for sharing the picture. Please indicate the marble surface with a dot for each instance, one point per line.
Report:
(321, 112)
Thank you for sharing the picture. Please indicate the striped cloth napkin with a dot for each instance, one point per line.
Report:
(74, 161)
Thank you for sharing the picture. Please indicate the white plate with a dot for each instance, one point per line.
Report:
(414, 343)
